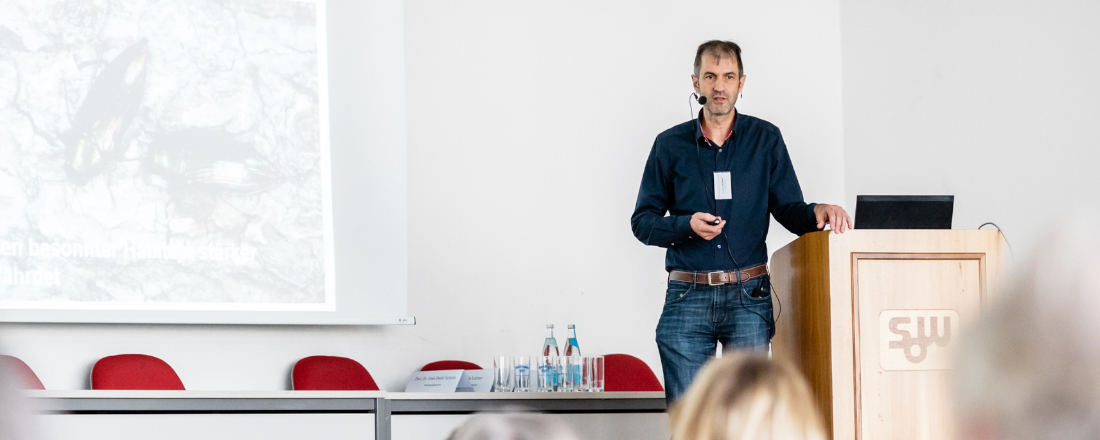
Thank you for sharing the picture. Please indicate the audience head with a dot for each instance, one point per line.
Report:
(1030, 369)
(517, 426)
(14, 417)
(747, 397)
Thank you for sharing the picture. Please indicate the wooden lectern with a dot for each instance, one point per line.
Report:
(871, 317)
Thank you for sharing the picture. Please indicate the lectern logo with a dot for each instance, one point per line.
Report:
(917, 339)
(922, 342)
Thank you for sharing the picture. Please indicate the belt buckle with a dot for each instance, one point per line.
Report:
(710, 279)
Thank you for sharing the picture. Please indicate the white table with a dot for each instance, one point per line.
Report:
(593, 416)
(187, 415)
(215, 415)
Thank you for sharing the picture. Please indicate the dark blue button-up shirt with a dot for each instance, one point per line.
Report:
(682, 161)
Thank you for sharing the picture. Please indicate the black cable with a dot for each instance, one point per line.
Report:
(780, 313)
(767, 274)
(1002, 234)
(714, 204)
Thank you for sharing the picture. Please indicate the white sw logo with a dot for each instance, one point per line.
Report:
(917, 339)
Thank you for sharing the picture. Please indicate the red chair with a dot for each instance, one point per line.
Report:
(330, 373)
(450, 365)
(623, 372)
(134, 372)
(20, 369)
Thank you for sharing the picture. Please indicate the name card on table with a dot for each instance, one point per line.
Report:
(449, 381)
(475, 381)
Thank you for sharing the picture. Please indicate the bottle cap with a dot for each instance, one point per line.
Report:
(570, 326)
(549, 325)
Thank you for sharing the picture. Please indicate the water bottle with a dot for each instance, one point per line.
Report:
(550, 348)
(572, 349)
(550, 345)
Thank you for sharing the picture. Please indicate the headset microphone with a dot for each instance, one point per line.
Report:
(702, 99)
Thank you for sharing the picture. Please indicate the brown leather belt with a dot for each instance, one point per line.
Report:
(717, 278)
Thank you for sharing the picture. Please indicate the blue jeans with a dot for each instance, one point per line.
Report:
(697, 316)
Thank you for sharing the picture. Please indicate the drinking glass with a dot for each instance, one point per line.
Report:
(571, 378)
(502, 374)
(593, 373)
(522, 376)
(546, 376)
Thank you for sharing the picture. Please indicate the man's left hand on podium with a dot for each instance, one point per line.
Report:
(834, 215)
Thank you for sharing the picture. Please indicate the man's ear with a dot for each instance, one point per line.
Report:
(695, 84)
(742, 83)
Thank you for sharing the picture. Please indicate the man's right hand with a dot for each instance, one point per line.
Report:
(700, 223)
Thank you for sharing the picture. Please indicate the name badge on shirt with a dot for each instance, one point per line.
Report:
(722, 190)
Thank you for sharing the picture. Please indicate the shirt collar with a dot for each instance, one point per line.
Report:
(702, 138)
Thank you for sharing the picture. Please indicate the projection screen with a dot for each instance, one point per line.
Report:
(202, 161)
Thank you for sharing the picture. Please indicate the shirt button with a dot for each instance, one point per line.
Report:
(719, 246)
(719, 150)
(672, 244)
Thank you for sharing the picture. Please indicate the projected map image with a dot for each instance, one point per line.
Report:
(164, 155)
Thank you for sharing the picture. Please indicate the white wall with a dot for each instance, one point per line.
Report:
(528, 126)
(992, 101)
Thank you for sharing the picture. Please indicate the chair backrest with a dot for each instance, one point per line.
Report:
(134, 372)
(450, 365)
(623, 372)
(331, 373)
(17, 367)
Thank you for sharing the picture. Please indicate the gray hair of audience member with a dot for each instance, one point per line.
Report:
(515, 426)
(14, 416)
(1030, 368)
(747, 397)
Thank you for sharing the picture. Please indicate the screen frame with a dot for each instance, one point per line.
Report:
(365, 103)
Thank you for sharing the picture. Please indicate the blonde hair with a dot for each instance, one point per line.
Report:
(747, 397)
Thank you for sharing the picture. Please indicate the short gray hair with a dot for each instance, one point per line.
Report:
(15, 419)
(1030, 366)
(512, 427)
(719, 49)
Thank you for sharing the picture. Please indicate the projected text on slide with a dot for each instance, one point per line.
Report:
(164, 155)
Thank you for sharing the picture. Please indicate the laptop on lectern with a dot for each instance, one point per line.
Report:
(904, 212)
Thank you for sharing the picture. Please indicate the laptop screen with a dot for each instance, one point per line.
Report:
(904, 212)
